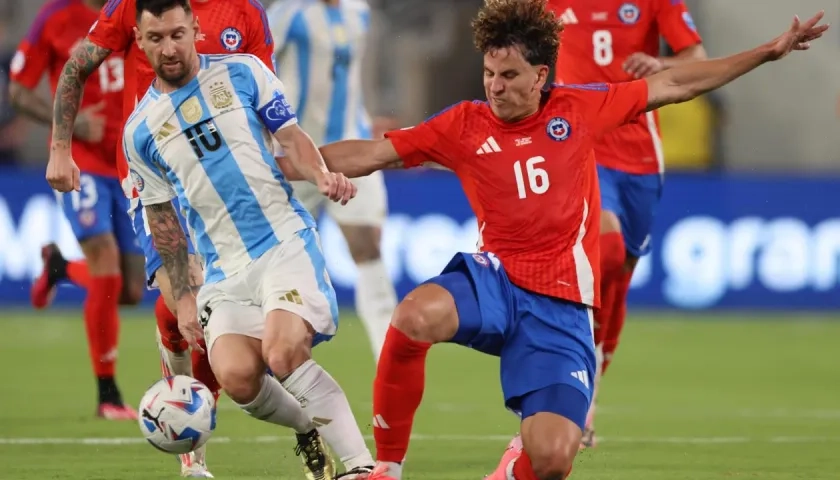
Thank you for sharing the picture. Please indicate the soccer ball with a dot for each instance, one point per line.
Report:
(177, 414)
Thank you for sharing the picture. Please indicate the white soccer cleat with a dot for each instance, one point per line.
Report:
(192, 467)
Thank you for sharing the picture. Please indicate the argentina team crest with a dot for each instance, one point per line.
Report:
(558, 129)
(629, 13)
(231, 39)
(220, 96)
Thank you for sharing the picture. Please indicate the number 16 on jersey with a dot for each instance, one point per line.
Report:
(537, 178)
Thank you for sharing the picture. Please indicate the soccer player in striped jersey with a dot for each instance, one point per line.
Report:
(318, 50)
(227, 26)
(203, 134)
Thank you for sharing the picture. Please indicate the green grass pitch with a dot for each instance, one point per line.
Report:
(699, 398)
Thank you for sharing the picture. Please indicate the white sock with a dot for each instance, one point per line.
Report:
(376, 300)
(329, 409)
(276, 405)
(179, 363)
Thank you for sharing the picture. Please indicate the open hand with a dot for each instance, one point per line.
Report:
(798, 37)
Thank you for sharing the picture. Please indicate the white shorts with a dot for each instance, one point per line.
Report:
(291, 276)
(368, 208)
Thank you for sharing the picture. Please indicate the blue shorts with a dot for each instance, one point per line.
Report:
(100, 208)
(544, 344)
(633, 198)
(144, 236)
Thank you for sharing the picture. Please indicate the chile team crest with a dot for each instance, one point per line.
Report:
(628, 13)
(231, 39)
(558, 129)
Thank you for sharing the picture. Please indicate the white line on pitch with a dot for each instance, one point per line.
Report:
(433, 438)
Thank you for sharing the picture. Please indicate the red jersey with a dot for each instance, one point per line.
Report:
(599, 36)
(532, 184)
(227, 26)
(58, 28)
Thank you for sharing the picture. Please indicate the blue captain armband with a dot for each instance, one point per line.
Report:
(277, 113)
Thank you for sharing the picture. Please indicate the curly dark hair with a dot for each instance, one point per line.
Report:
(525, 24)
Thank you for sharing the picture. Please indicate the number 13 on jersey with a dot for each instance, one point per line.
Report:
(537, 178)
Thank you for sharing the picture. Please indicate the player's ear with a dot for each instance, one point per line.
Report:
(542, 77)
(138, 37)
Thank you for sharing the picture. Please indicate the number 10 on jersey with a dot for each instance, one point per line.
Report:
(537, 178)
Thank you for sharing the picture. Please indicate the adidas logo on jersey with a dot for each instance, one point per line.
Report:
(582, 376)
(568, 17)
(489, 146)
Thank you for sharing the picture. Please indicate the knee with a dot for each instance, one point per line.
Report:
(419, 321)
(552, 461)
(284, 357)
(132, 292)
(102, 255)
(241, 381)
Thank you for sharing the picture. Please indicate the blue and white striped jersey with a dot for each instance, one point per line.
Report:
(209, 143)
(318, 56)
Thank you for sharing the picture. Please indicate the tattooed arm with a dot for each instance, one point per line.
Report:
(85, 59)
(171, 243)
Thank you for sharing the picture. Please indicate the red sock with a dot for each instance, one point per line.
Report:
(167, 324)
(102, 323)
(616, 322)
(397, 391)
(77, 272)
(522, 469)
(203, 373)
(612, 264)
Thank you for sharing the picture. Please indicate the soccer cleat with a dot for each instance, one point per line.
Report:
(43, 290)
(317, 462)
(192, 468)
(380, 472)
(113, 411)
(358, 473)
(505, 469)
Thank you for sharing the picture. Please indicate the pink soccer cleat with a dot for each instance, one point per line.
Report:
(381, 472)
(111, 411)
(505, 469)
(43, 290)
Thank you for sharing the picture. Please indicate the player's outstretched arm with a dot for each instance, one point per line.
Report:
(301, 151)
(687, 81)
(84, 60)
(359, 158)
(353, 158)
(307, 161)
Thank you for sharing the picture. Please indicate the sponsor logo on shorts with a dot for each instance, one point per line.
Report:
(292, 296)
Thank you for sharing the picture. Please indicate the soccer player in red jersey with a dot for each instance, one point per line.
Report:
(618, 41)
(525, 159)
(114, 270)
(227, 26)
